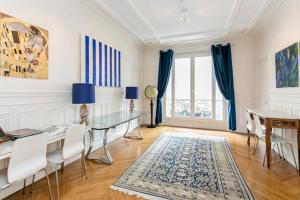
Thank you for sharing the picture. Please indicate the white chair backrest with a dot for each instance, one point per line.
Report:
(249, 121)
(74, 143)
(28, 157)
(258, 127)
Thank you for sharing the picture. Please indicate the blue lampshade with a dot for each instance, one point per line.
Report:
(83, 93)
(132, 92)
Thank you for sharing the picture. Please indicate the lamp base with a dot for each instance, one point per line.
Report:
(131, 106)
(151, 126)
(84, 113)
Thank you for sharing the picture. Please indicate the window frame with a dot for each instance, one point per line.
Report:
(192, 117)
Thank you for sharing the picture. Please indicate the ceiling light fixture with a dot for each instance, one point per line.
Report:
(184, 17)
(184, 14)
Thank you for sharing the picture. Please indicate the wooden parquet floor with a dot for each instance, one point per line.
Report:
(280, 182)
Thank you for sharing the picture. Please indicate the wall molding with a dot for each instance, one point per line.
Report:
(263, 13)
(233, 14)
(258, 15)
(266, 15)
(107, 13)
(39, 109)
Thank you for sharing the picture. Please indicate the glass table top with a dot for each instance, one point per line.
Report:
(112, 120)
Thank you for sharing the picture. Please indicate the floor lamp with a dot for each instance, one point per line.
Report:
(151, 94)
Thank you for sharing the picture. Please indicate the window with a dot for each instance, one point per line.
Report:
(192, 90)
(182, 100)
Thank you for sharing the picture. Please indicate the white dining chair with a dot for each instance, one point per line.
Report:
(28, 158)
(260, 133)
(249, 126)
(73, 146)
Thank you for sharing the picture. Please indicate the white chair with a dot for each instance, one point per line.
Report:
(260, 133)
(73, 146)
(28, 158)
(249, 126)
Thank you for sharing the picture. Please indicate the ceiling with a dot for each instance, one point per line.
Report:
(158, 21)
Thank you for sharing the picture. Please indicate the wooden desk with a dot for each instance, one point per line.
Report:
(275, 119)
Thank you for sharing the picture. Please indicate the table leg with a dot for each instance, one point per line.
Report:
(108, 158)
(298, 144)
(62, 165)
(138, 134)
(91, 136)
(268, 141)
(127, 129)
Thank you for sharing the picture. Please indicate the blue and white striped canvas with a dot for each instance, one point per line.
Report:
(101, 63)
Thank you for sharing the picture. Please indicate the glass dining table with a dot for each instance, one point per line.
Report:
(107, 122)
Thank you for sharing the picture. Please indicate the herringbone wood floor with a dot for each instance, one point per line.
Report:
(280, 182)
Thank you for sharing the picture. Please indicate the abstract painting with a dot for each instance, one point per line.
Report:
(100, 63)
(23, 49)
(287, 67)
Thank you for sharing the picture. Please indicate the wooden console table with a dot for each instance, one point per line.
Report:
(275, 119)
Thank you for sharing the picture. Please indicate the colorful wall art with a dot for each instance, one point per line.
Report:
(101, 63)
(287, 67)
(23, 49)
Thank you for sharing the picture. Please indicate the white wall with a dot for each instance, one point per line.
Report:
(65, 21)
(39, 103)
(281, 31)
(244, 73)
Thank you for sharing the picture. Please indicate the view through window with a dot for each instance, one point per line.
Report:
(192, 91)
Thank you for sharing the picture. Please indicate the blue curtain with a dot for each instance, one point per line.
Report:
(223, 70)
(165, 65)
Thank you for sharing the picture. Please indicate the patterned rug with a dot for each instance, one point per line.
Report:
(190, 166)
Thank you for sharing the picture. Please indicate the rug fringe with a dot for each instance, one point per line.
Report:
(137, 194)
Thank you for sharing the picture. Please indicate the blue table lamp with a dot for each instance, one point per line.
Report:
(83, 93)
(132, 93)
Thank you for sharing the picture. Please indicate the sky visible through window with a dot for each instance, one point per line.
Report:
(203, 86)
(203, 78)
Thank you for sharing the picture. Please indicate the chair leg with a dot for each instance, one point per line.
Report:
(264, 159)
(84, 165)
(255, 145)
(278, 150)
(293, 156)
(57, 184)
(24, 185)
(32, 181)
(48, 182)
(62, 166)
(248, 139)
(282, 151)
(81, 166)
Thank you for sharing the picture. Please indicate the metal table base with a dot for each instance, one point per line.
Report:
(107, 159)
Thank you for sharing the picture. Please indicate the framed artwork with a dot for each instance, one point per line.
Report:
(100, 63)
(23, 49)
(287, 67)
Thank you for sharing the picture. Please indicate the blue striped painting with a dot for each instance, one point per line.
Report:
(101, 63)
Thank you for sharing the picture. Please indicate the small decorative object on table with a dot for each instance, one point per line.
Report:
(132, 93)
(83, 93)
(151, 93)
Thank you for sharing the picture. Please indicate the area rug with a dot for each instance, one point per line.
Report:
(185, 166)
